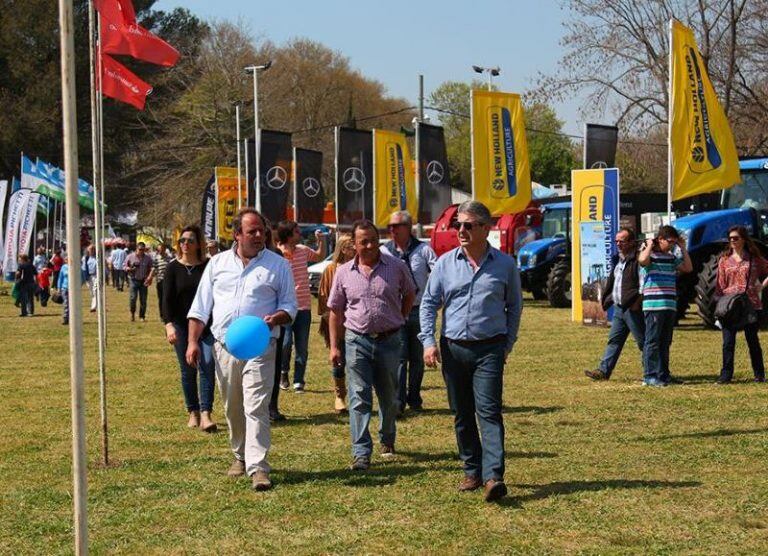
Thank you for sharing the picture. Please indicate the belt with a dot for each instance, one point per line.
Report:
(378, 336)
(485, 341)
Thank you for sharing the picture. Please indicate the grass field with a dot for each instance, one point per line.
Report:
(592, 467)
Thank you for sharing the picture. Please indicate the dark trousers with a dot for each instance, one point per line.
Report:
(474, 380)
(623, 323)
(159, 289)
(138, 289)
(659, 327)
(410, 373)
(273, 400)
(119, 279)
(755, 351)
(27, 298)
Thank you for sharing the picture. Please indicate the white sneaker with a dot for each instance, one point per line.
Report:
(298, 388)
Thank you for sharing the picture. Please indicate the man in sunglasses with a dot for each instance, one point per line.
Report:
(420, 259)
(478, 288)
(622, 290)
(138, 265)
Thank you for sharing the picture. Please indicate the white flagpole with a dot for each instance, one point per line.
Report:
(239, 176)
(69, 116)
(98, 184)
(247, 182)
(669, 129)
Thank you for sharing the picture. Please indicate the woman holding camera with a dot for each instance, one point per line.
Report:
(740, 269)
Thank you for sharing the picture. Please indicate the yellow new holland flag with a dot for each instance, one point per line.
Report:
(703, 151)
(501, 172)
(394, 186)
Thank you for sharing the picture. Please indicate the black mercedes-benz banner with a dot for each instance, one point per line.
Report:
(208, 210)
(275, 172)
(308, 194)
(354, 175)
(434, 179)
(600, 148)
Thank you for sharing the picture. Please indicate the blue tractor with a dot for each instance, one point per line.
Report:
(545, 264)
(745, 204)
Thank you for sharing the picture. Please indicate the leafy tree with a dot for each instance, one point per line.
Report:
(550, 151)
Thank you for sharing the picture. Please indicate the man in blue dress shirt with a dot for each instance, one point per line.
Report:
(478, 288)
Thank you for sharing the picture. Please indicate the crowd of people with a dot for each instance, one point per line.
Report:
(378, 304)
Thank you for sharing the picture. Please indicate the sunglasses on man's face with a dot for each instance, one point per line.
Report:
(184, 240)
(468, 226)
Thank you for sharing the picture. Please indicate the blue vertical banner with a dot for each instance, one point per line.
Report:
(595, 224)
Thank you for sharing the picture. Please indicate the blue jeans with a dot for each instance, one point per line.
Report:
(297, 332)
(474, 379)
(371, 364)
(138, 289)
(755, 351)
(65, 306)
(624, 322)
(659, 326)
(411, 370)
(189, 374)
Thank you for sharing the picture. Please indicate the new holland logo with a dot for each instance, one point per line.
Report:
(435, 172)
(502, 160)
(311, 187)
(703, 147)
(353, 179)
(276, 177)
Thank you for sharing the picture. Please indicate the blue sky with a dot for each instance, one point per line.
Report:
(396, 40)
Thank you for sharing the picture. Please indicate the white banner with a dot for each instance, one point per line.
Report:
(15, 207)
(27, 223)
(3, 192)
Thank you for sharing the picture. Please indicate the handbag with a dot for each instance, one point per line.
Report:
(735, 310)
(56, 297)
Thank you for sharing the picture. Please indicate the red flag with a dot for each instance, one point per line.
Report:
(133, 40)
(119, 11)
(120, 83)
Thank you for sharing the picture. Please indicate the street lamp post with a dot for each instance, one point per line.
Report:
(239, 175)
(492, 72)
(257, 138)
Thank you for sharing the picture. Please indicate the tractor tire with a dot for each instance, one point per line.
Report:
(705, 291)
(539, 292)
(559, 284)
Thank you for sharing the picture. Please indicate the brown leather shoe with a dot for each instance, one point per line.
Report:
(596, 374)
(237, 469)
(494, 490)
(470, 482)
(260, 481)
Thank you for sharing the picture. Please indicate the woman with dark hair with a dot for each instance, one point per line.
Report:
(182, 277)
(742, 268)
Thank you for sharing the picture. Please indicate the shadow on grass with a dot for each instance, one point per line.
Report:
(530, 409)
(317, 419)
(707, 434)
(378, 475)
(542, 492)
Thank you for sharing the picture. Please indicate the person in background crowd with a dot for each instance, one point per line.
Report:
(57, 261)
(742, 268)
(139, 269)
(181, 279)
(89, 267)
(118, 256)
(40, 259)
(660, 266)
(345, 251)
(478, 288)
(371, 297)
(299, 256)
(62, 284)
(44, 284)
(25, 281)
(248, 279)
(212, 247)
(160, 261)
(274, 400)
(419, 258)
(107, 266)
(622, 290)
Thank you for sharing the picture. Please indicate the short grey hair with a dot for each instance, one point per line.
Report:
(404, 216)
(476, 209)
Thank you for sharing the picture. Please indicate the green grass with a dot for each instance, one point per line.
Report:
(592, 467)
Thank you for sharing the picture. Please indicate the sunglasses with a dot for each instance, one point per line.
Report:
(734, 238)
(183, 240)
(467, 225)
(393, 226)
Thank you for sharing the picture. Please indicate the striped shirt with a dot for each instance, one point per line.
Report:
(160, 264)
(659, 281)
(299, 259)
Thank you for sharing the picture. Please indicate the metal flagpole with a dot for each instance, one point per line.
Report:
(669, 129)
(239, 176)
(69, 116)
(98, 184)
(102, 266)
(247, 181)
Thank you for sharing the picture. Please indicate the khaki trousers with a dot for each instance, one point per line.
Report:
(245, 387)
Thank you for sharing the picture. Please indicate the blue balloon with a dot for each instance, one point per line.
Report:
(247, 337)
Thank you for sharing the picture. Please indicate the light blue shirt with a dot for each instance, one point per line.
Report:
(89, 265)
(476, 305)
(118, 258)
(421, 263)
(228, 290)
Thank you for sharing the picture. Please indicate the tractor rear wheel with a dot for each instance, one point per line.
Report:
(705, 291)
(559, 284)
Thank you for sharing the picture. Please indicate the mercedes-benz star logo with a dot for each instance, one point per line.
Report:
(354, 179)
(599, 164)
(311, 187)
(276, 177)
(435, 172)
